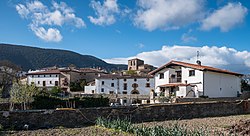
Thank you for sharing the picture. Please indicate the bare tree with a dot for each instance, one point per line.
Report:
(22, 94)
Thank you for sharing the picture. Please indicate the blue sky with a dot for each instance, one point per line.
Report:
(116, 30)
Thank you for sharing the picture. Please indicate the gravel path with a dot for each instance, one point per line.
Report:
(218, 124)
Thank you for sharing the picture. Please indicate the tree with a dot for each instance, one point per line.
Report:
(131, 72)
(8, 74)
(1, 92)
(22, 94)
(244, 85)
(83, 83)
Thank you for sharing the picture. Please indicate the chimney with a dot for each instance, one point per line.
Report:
(198, 62)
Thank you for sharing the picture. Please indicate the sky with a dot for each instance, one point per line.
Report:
(156, 31)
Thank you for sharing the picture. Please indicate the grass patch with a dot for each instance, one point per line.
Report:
(173, 130)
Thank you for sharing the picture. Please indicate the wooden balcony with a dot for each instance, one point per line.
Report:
(175, 80)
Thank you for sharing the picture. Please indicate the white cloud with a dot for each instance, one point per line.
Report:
(187, 37)
(167, 14)
(221, 57)
(225, 18)
(106, 12)
(41, 16)
(52, 34)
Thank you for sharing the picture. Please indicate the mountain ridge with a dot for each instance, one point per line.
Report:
(35, 58)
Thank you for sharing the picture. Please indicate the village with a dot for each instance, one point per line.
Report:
(136, 93)
(124, 68)
(140, 83)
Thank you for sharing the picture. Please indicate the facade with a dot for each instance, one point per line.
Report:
(180, 79)
(127, 88)
(61, 77)
(46, 79)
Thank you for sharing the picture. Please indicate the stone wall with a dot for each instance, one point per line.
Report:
(81, 117)
(222, 99)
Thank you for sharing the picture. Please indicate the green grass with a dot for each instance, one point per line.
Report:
(174, 130)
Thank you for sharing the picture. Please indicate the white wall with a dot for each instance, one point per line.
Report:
(143, 90)
(159, 81)
(46, 78)
(221, 85)
(118, 85)
(89, 89)
(194, 80)
(107, 85)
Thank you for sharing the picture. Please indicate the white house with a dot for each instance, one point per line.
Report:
(126, 87)
(180, 79)
(44, 79)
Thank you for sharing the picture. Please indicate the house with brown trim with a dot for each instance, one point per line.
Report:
(181, 79)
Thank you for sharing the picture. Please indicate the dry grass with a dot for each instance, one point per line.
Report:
(212, 124)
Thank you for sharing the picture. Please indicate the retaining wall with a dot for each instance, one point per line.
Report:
(81, 117)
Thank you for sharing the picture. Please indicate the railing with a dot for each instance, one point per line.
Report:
(175, 80)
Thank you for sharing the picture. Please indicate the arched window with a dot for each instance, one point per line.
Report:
(135, 92)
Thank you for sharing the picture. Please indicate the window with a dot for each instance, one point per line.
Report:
(44, 83)
(102, 90)
(191, 72)
(38, 75)
(134, 85)
(102, 82)
(111, 92)
(147, 84)
(50, 82)
(32, 76)
(161, 75)
(135, 79)
(56, 83)
(147, 79)
(32, 83)
(124, 92)
(112, 84)
(124, 80)
(38, 82)
(56, 75)
(93, 91)
(125, 86)
(49, 75)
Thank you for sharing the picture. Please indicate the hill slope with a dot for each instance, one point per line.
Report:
(35, 58)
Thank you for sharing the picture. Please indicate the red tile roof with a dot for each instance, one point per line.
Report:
(91, 70)
(116, 76)
(174, 85)
(194, 66)
(45, 72)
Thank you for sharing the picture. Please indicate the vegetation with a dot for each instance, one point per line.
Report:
(245, 86)
(55, 91)
(35, 58)
(52, 102)
(78, 85)
(127, 126)
(22, 94)
(131, 72)
(8, 74)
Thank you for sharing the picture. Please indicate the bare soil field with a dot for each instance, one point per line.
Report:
(234, 125)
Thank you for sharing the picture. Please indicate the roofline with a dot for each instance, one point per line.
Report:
(202, 69)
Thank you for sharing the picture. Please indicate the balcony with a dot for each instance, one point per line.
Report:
(175, 80)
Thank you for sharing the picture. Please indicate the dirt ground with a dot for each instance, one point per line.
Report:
(235, 124)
